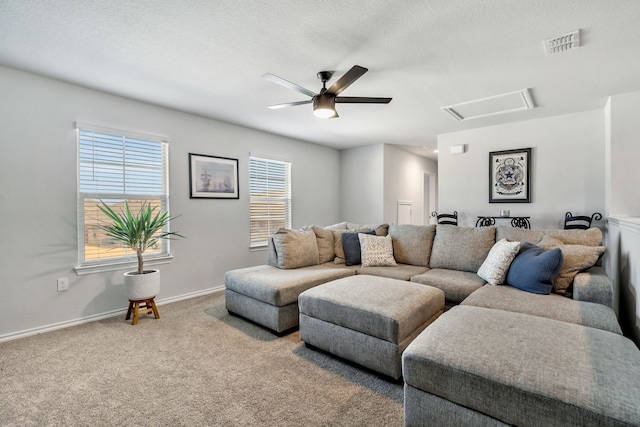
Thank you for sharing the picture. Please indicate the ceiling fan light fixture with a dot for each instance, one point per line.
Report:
(324, 102)
(324, 106)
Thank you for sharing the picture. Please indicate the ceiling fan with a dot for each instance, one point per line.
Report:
(324, 102)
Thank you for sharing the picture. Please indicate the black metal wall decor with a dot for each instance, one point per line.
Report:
(510, 176)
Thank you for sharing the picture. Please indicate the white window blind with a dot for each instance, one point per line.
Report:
(269, 198)
(115, 168)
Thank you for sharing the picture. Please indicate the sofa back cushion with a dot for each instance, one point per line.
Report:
(589, 237)
(515, 234)
(325, 240)
(412, 243)
(380, 229)
(461, 248)
(295, 249)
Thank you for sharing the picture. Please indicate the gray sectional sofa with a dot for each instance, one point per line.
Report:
(492, 336)
(443, 256)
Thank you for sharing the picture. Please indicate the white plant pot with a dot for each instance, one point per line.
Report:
(142, 286)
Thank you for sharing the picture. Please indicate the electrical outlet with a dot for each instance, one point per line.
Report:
(63, 284)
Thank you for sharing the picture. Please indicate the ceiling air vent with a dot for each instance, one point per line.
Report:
(562, 43)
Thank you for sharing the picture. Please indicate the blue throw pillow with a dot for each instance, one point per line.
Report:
(534, 269)
(351, 246)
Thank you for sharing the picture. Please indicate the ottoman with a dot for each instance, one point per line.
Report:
(368, 320)
(479, 366)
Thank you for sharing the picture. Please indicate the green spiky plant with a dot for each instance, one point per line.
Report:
(138, 231)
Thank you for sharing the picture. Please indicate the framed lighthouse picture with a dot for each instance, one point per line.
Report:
(510, 176)
(212, 177)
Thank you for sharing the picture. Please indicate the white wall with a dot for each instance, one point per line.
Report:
(623, 207)
(623, 267)
(376, 177)
(623, 150)
(38, 199)
(362, 172)
(568, 168)
(404, 181)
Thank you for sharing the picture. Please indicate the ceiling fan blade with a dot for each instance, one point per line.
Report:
(288, 84)
(349, 77)
(361, 100)
(289, 104)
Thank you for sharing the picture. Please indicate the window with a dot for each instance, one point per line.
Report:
(269, 198)
(114, 168)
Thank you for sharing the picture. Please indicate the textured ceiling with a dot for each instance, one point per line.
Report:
(207, 58)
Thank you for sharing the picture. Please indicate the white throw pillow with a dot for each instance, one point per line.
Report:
(376, 251)
(495, 266)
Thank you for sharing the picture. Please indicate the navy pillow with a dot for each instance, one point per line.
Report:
(351, 246)
(534, 269)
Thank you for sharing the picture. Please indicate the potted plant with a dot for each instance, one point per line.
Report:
(139, 231)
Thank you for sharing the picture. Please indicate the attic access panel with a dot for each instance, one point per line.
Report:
(492, 105)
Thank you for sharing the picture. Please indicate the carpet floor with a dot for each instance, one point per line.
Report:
(195, 366)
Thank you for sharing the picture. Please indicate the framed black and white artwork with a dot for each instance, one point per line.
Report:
(510, 176)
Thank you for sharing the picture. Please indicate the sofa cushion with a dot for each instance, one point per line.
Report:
(516, 234)
(380, 229)
(552, 306)
(457, 285)
(589, 237)
(376, 251)
(280, 287)
(593, 285)
(461, 248)
(400, 272)
(495, 266)
(527, 370)
(351, 247)
(534, 269)
(295, 248)
(576, 258)
(412, 243)
(324, 241)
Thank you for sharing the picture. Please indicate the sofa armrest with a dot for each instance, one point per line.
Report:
(593, 285)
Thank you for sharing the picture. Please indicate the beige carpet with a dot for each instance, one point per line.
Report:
(195, 366)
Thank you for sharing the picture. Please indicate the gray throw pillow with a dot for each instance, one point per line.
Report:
(325, 242)
(295, 248)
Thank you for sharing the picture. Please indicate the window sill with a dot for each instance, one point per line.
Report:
(82, 270)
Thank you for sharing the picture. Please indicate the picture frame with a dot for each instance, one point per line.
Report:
(510, 176)
(213, 177)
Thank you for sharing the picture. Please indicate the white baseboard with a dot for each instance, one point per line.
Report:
(93, 318)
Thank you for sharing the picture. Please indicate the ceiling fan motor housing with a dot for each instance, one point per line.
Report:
(324, 105)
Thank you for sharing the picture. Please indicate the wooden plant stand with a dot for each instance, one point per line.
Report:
(148, 304)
